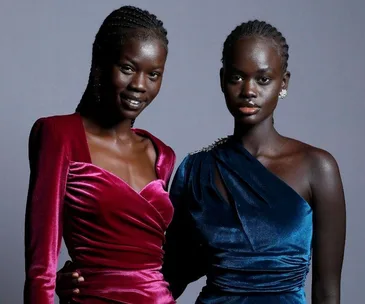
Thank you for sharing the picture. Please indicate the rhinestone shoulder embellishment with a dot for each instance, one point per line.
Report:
(217, 143)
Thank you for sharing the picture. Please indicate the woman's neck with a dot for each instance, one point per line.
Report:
(257, 139)
(98, 120)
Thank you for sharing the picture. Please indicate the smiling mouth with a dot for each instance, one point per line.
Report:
(131, 103)
(134, 102)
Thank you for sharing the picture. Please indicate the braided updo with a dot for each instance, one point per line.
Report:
(121, 25)
(259, 29)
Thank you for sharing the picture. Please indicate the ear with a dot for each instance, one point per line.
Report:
(285, 81)
(221, 76)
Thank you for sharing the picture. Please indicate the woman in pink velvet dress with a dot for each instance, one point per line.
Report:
(99, 183)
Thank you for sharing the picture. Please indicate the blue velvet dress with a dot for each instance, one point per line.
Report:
(256, 249)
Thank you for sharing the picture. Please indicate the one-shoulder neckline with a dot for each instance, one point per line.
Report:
(253, 158)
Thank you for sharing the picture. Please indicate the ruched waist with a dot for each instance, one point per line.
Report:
(217, 297)
(120, 286)
(258, 274)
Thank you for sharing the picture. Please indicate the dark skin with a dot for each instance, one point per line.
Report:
(255, 74)
(113, 146)
(136, 75)
(251, 82)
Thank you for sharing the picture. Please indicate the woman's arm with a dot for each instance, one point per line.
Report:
(43, 222)
(184, 260)
(329, 214)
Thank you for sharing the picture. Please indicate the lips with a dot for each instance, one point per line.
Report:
(131, 103)
(249, 108)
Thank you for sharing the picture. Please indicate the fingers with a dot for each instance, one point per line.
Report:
(68, 281)
(77, 281)
(67, 293)
(70, 290)
(65, 278)
(74, 274)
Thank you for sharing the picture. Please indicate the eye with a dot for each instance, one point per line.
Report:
(264, 80)
(235, 78)
(155, 75)
(126, 69)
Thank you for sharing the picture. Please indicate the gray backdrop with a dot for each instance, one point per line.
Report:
(45, 59)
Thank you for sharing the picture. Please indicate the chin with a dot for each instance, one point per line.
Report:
(130, 114)
(248, 120)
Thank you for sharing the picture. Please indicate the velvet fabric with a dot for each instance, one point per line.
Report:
(255, 248)
(114, 235)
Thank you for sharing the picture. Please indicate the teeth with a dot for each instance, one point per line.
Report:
(135, 102)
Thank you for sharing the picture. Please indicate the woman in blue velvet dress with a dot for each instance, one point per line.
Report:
(254, 208)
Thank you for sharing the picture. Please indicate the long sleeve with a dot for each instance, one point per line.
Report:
(43, 221)
(184, 254)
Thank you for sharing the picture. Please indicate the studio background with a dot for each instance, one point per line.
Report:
(45, 57)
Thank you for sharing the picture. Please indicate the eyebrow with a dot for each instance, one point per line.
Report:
(133, 62)
(259, 71)
(264, 70)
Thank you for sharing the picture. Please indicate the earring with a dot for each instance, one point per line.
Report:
(283, 93)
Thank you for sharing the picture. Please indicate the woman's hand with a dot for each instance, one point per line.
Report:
(68, 282)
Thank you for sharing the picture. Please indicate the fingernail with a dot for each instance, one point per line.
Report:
(80, 279)
(75, 275)
(76, 290)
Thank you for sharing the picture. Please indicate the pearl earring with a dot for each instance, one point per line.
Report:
(283, 93)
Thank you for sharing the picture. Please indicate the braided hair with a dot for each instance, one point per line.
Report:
(260, 29)
(121, 25)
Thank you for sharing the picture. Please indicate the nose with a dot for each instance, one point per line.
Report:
(138, 83)
(249, 89)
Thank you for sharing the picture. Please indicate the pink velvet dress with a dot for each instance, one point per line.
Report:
(113, 233)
